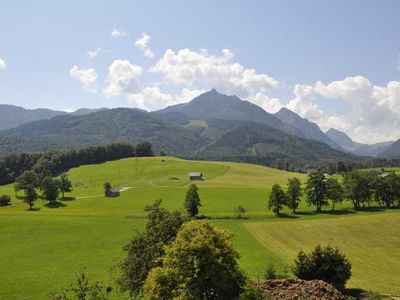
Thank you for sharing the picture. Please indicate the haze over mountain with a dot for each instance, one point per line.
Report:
(349, 145)
(308, 129)
(12, 115)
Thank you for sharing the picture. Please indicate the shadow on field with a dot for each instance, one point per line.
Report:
(356, 293)
(305, 213)
(287, 216)
(371, 209)
(339, 212)
(68, 199)
(55, 204)
(33, 209)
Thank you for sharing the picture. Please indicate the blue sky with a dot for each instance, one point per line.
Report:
(296, 50)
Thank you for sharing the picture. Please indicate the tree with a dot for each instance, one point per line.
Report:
(107, 186)
(144, 149)
(145, 248)
(83, 289)
(192, 201)
(335, 191)
(200, 264)
(27, 178)
(5, 200)
(65, 184)
(316, 190)
(294, 192)
(30, 195)
(239, 211)
(323, 263)
(50, 188)
(358, 187)
(277, 199)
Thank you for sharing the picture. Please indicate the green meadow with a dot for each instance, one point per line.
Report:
(42, 250)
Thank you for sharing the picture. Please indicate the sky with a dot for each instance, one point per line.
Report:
(336, 63)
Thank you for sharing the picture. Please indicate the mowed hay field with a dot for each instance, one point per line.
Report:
(42, 250)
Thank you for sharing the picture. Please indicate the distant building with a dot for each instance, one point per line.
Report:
(196, 176)
(111, 193)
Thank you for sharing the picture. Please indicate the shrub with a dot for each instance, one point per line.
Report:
(253, 292)
(5, 200)
(199, 264)
(270, 272)
(239, 212)
(324, 263)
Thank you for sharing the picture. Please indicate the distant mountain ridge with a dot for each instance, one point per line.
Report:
(213, 105)
(360, 149)
(308, 129)
(12, 116)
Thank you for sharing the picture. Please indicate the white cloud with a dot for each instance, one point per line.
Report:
(152, 98)
(93, 53)
(203, 69)
(2, 64)
(271, 105)
(142, 43)
(68, 110)
(87, 77)
(119, 33)
(122, 78)
(374, 113)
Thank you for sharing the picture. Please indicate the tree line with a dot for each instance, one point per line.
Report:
(52, 163)
(362, 188)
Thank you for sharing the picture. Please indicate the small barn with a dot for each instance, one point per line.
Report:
(111, 193)
(195, 176)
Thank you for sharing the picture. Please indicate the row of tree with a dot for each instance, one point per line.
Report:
(363, 188)
(33, 187)
(52, 163)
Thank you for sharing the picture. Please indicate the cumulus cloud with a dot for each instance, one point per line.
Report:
(87, 77)
(122, 78)
(206, 70)
(374, 113)
(93, 53)
(119, 33)
(142, 43)
(152, 98)
(2, 64)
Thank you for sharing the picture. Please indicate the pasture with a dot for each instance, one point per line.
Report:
(42, 250)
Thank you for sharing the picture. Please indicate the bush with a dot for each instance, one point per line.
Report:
(270, 272)
(5, 200)
(199, 264)
(252, 292)
(324, 263)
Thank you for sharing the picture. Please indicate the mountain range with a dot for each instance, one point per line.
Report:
(212, 126)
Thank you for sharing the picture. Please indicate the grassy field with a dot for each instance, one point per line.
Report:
(42, 250)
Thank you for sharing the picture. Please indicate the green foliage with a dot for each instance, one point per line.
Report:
(252, 292)
(270, 272)
(107, 186)
(324, 263)
(25, 179)
(65, 184)
(143, 252)
(358, 187)
(335, 191)
(50, 188)
(294, 192)
(200, 264)
(5, 200)
(83, 289)
(30, 195)
(277, 199)
(316, 190)
(192, 201)
(239, 211)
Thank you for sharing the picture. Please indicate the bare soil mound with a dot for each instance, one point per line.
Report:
(296, 289)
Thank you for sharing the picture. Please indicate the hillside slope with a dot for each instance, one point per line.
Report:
(308, 129)
(349, 145)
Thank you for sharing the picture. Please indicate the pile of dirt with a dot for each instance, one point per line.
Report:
(296, 289)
